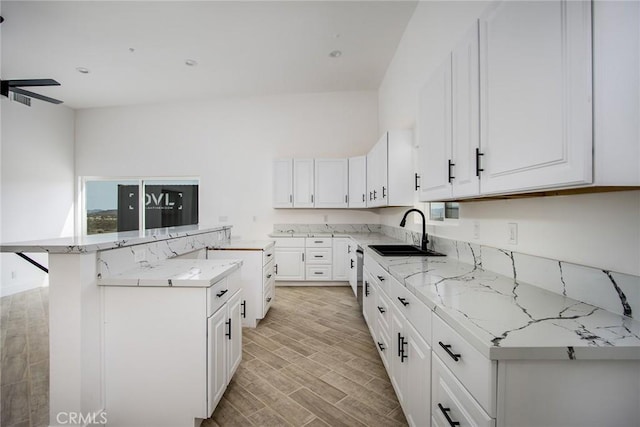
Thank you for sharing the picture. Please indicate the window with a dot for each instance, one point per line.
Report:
(112, 205)
(441, 211)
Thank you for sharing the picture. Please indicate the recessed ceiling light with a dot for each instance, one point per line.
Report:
(335, 54)
(191, 62)
(83, 70)
(132, 49)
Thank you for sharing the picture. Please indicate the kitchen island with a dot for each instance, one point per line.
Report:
(76, 304)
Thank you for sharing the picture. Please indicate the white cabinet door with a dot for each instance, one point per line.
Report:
(341, 259)
(358, 182)
(377, 173)
(465, 94)
(303, 183)
(283, 183)
(418, 384)
(369, 302)
(434, 135)
(216, 358)
(535, 95)
(331, 183)
(353, 270)
(397, 358)
(234, 333)
(290, 263)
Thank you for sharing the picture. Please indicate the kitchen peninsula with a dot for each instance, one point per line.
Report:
(77, 265)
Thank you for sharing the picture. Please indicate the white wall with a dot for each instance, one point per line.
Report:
(230, 143)
(601, 230)
(37, 186)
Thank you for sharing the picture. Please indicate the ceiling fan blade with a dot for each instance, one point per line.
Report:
(35, 95)
(32, 82)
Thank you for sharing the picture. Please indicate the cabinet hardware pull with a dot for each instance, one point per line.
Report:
(269, 254)
(381, 309)
(290, 198)
(346, 198)
(384, 192)
(275, 268)
(318, 272)
(446, 347)
(451, 177)
(244, 309)
(219, 294)
(403, 301)
(445, 412)
(348, 249)
(478, 168)
(228, 335)
(302, 256)
(381, 278)
(370, 195)
(381, 346)
(317, 241)
(363, 197)
(366, 288)
(269, 276)
(318, 256)
(417, 185)
(401, 344)
(269, 299)
(375, 197)
(351, 263)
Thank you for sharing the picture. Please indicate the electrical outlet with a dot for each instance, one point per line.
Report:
(139, 255)
(476, 230)
(513, 233)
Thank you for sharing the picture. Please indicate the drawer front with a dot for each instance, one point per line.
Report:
(319, 242)
(472, 369)
(268, 296)
(268, 271)
(318, 272)
(412, 308)
(289, 242)
(380, 275)
(318, 255)
(268, 255)
(217, 295)
(451, 398)
(383, 312)
(383, 343)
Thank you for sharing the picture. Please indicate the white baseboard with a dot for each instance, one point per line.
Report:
(310, 283)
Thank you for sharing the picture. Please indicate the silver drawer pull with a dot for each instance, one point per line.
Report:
(318, 272)
(318, 241)
(318, 256)
(269, 299)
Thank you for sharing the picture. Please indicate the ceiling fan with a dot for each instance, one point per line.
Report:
(15, 86)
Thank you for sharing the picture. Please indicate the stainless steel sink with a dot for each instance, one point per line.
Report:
(403, 250)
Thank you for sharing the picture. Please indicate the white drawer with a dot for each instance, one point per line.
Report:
(383, 312)
(318, 272)
(380, 275)
(268, 271)
(450, 397)
(383, 343)
(318, 255)
(268, 255)
(411, 307)
(319, 242)
(289, 242)
(268, 296)
(475, 372)
(220, 292)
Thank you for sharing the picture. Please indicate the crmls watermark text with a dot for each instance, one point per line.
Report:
(78, 418)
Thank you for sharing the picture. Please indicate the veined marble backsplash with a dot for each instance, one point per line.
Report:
(615, 292)
(116, 261)
(326, 228)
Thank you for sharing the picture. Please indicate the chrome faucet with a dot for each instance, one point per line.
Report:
(423, 246)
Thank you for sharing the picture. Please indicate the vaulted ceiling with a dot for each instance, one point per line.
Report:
(135, 52)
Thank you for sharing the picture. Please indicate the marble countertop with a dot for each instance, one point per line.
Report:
(246, 245)
(100, 242)
(505, 319)
(175, 272)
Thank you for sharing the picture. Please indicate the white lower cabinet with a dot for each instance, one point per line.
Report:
(173, 349)
(290, 258)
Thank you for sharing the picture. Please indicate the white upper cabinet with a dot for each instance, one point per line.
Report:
(331, 183)
(358, 182)
(434, 134)
(448, 125)
(283, 183)
(535, 93)
(465, 118)
(303, 185)
(390, 178)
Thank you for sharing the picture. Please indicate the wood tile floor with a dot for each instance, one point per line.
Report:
(310, 362)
